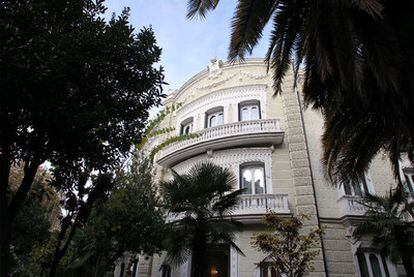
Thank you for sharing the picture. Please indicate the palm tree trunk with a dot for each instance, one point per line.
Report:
(199, 253)
(407, 261)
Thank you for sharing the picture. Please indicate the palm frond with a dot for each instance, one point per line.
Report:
(200, 7)
(249, 20)
(199, 199)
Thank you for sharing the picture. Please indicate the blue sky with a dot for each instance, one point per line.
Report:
(187, 45)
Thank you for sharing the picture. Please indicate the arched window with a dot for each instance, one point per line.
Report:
(252, 178)
(249, 110)
(186, 126)
(214, 117)
(372, 264)
(363, 267)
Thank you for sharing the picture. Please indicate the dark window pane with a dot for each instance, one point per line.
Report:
(121, 273)
(264, 272)
(134, 268)
(363, 268)
(376, 269)
(273, 273)
(364, 184)
(384, 263)
(347, 188)
(357, 188)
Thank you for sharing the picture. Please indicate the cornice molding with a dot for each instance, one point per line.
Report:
(205, 74)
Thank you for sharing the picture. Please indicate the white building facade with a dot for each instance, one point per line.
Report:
(272, 144)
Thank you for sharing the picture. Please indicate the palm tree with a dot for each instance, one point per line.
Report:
(391, 226)
(201, 199)
(357, 57)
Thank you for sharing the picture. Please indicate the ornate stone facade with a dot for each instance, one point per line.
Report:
(289, 156)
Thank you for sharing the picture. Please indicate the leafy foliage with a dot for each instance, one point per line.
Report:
(357, 62)
(171, 140)
(391, 225)
(30, 230)
(130, 220)
(75, 91)
(34, 222)
(287, 249)
(198, 202)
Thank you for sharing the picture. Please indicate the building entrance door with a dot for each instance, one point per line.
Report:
(218, 262)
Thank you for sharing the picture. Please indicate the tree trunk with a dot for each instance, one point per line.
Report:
(199, 254)
(60, 252)
(5, 224)
(5, 237)
(407, 261)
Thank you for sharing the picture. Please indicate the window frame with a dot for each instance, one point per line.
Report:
(216, 111)
(187, 123)
(250, 103)
(409, 179)
(253, 165)
(349, 189)
(367, 268)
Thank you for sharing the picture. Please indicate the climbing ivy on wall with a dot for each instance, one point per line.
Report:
(152, 131)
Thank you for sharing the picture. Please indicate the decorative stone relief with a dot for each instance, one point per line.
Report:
(224, 97)
(232, 159)
(252, 75)
(214, 68)
(216, 84)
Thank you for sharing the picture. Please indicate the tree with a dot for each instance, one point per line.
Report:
(75, 91)
(199, 201)
(391, 226)
(130, 220)
(287, 249)
(357, 63)
(30, 229)
(34, 222)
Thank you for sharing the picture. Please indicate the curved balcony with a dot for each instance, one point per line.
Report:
(352, 205)
(237, 134)
(252, 207)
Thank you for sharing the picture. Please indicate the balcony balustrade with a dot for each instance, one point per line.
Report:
(352, 206)
(253, 205)
(243, 133)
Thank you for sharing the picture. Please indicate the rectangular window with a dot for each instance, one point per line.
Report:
(253, 179)
(249, 110)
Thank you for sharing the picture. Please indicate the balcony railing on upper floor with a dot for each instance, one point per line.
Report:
(352, 205)
(243, 133)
